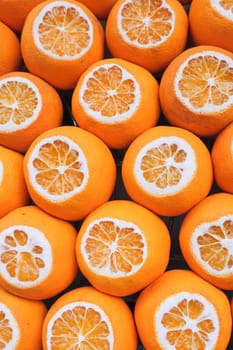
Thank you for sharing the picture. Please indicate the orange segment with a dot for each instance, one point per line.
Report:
(114, 247)
(9, 329)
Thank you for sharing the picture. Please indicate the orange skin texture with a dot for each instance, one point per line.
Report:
(222, 157)
(120, 134)
(208, 26)
(155, 59)
(176, 204)
(177, 113)
(209, 209)
(62, 74)
(61, 236)
(115, 308)
(30, 315)
(13, 189)
(11, 58)
(102, 175)
(14, 12)
(50, 115)
(158, 244)
(100, 8)
(172, 282)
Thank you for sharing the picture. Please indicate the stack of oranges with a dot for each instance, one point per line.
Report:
(116, 166)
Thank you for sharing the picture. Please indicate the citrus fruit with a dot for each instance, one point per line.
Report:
(147, 32)
(180, 310)
(121, 247)
(59, 40)
(28, 106)
(21, 322)
(196, 90)
(69, 172)
(13, 189)
(85, 318)
(10, 58)
(116, 100)
(32, 243)
(222, 158)
(99, 8)
(211, 23)
(14, 12)
(206, 239)
(167, 169)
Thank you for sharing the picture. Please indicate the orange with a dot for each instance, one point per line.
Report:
(150, 33)
(60, 40)
(13, 190)
(116, 100)
(85, 318)
(206, 239)
(122, 247)
(168, 170)
(69, 172)
(180, 311)
(14, 12)
(10, 58)
(28, 106)
(211, 23)
(21, 322)
(196, 90)
(222, 158)
(100, 8)
(32, 243)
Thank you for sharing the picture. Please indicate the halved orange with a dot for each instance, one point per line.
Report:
(206, 239)
(180, 310)
(85, 318)
(69, 172)
(121, 247)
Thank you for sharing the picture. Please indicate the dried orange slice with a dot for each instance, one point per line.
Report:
(64, 172)
(206, 239)
(180, 310)
(21, 322)
(28, 106)
(196, 90)
(116, 100)
(162, 170)
(149, 33)
(59, 40)
(30, 255)
(85, 318)
(121, 247)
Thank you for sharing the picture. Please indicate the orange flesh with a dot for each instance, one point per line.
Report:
(6, 332)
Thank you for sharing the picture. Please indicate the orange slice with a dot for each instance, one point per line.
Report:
(61, 36)
(62, 175)
(30, 254)
(180, 310)
(116, 100)
(86, 318)
(116, 250)
(206, 239)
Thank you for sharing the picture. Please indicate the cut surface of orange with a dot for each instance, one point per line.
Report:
(168, 170)
(196, 90)
(31, 245)
(149, 33)
(28, 106)
(61, 36)
(206, 239)
(13, 189)
(211, 23)
(180, 310)
(19, 330)
(116, 100)
(64, 172)
(121, 247)
(85, 318)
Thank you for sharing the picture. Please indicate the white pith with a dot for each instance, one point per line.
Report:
(13, 324)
